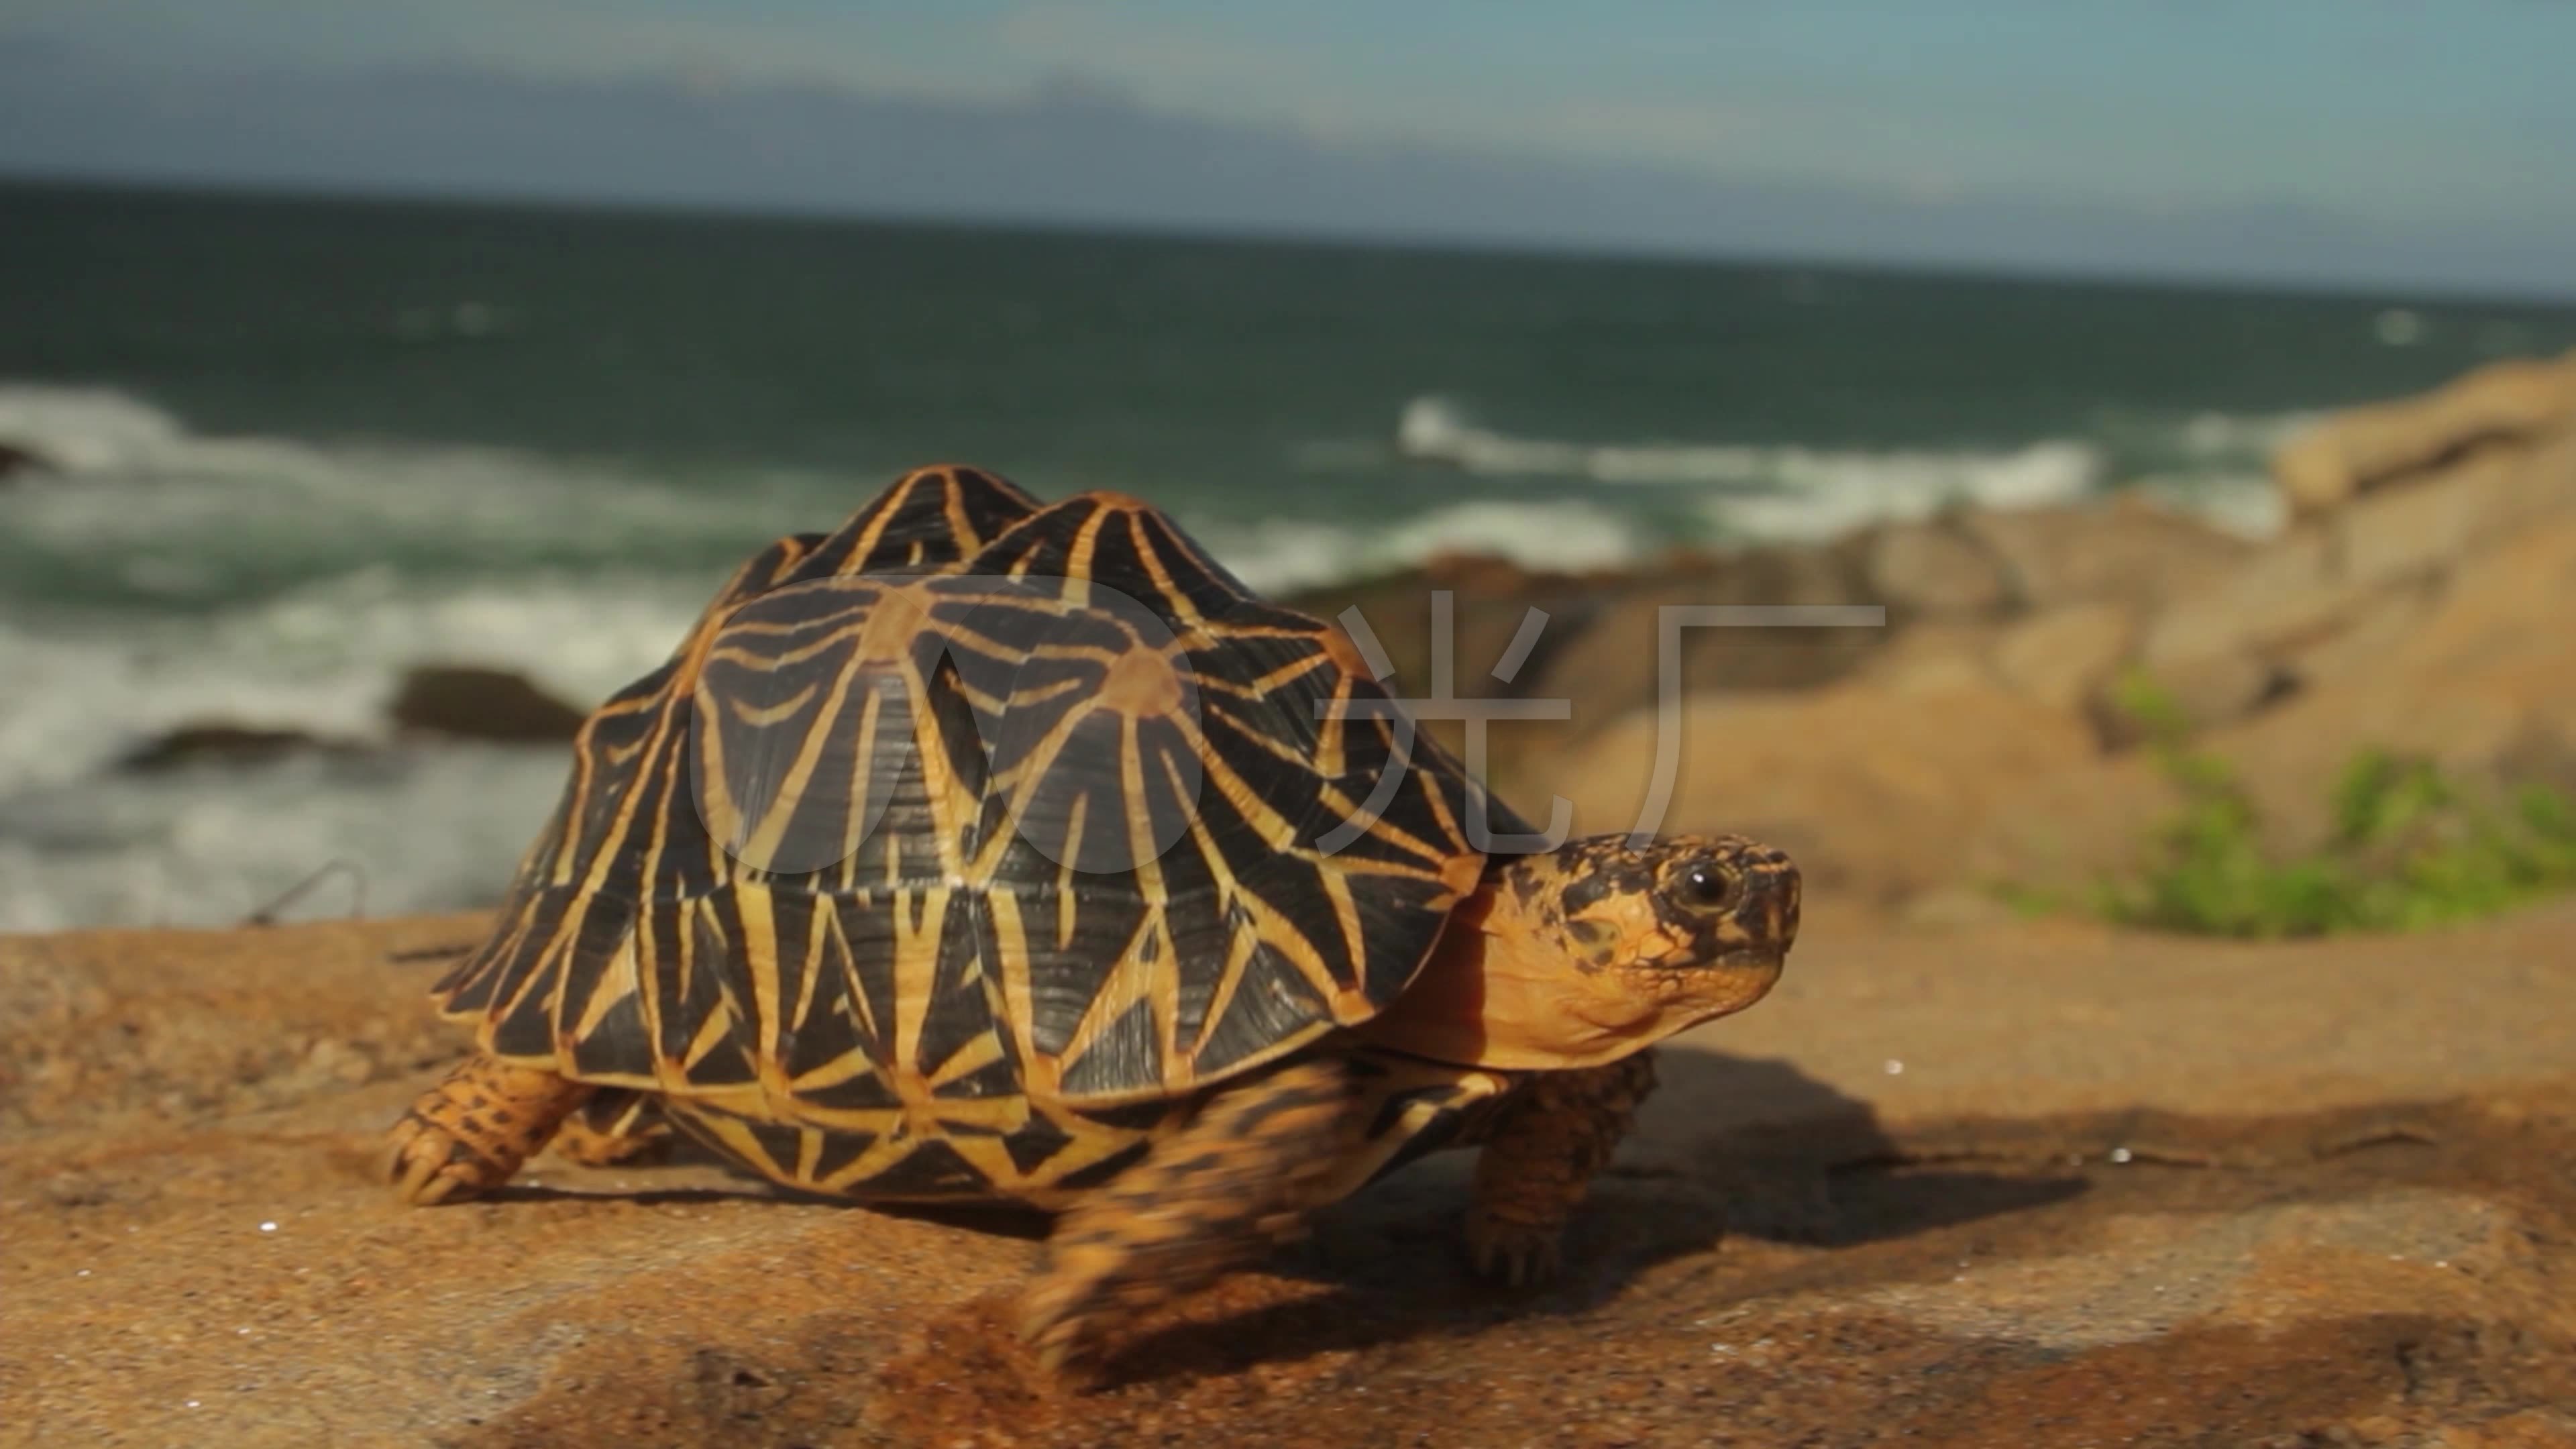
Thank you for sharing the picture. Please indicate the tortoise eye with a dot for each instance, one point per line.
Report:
(1709, 887)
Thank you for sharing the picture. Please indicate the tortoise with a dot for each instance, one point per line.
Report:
(990, 851)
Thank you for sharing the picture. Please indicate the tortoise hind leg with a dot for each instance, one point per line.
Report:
(469, 1133)
(614, 1129)
(1234, 1182)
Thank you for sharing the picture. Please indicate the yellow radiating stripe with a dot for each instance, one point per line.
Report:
(916, 971)
(848, 1066)
(763, 845)
(818, 928)
(1086, 541)
(888, 507)
(1337, 889)
(784, 710)
(1163, 986)
(847, 961)
(1128, 981)
(1277, 679)
(978, 1053)
(1011, 949)
(1161, 574)
(718, 1024)
(863, 784)
(951, 805)
(882, 1154)
(988, 1156)
(1000, 1114)
(875, 1121)
(1346, 1003)
(1068, 911)
(758, 952)
(616, 983)
(1091, 1144)
(1238, 965)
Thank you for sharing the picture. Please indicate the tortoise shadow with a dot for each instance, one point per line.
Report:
(1005, 1220)
(1729, 1147)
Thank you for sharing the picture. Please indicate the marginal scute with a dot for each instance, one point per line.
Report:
(952, 847)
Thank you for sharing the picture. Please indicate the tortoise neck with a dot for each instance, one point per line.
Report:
(1511, 986)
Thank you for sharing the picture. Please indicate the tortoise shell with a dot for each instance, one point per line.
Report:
(976, 822)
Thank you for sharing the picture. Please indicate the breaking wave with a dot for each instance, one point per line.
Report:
(168, 577)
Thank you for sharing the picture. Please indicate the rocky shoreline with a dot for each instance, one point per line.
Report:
(2414, 604)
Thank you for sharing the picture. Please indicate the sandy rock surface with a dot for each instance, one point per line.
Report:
(2032, 1185)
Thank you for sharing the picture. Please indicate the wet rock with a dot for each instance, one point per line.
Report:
(217, 743)
(18, 462)
(468, 702)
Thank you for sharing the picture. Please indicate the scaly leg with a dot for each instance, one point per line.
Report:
(614, 1129)
(470, 1132)
(1236, 1181)
(1540, 1157)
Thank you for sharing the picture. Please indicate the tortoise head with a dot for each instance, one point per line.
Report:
(1599, 949)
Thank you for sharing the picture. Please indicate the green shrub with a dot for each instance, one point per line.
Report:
(2408, 849)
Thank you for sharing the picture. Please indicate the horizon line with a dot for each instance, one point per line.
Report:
(1322, 237)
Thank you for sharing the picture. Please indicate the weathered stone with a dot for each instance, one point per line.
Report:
(2366, 447)
(2203, 692)
(2128, 548)
(1931, 656)
(1611, 667)
(2369, 639)
(469, 702)
(2063, 657)
(1934, 569)
(2397, 534)
(222, 743)
(2285, 596)
(1872, 788)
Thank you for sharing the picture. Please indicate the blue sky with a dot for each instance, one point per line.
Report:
(2419, 141)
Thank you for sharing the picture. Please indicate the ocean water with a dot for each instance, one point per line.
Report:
(305, 444)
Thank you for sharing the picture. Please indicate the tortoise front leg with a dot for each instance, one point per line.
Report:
(1238, 1180)
(469, 1133)
(1541, 1153)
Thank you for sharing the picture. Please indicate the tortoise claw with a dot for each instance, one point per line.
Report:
(1056, 1322)
(427, 1166)
(1518, 1254)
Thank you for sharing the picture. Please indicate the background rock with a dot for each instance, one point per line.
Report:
(2363, 448)
(17, 461)
(470, 702)
(219, 743)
